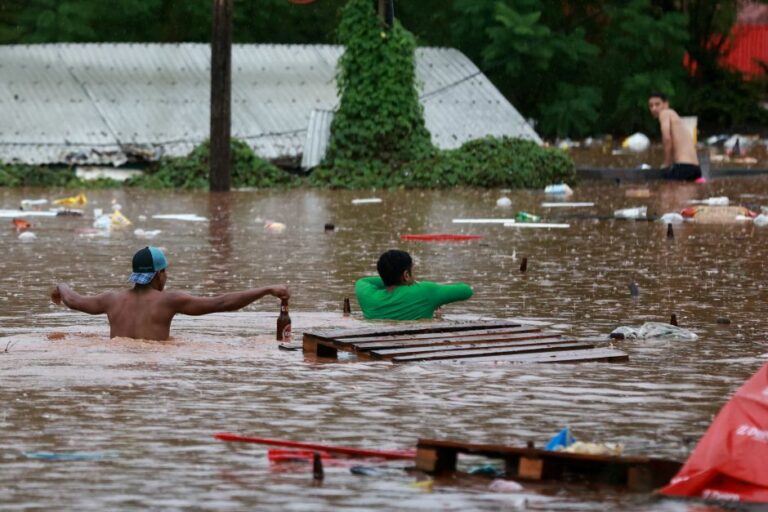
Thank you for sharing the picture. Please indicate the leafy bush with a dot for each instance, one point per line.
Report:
(488, 162)
(15, 175)
(191, 171)
(380, 117)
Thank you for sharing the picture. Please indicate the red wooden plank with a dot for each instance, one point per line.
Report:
(353, 452)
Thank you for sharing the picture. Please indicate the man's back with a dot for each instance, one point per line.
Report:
(684, 150)
(142, 313)
(406, 302)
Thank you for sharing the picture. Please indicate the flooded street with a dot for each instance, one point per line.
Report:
(150, 408)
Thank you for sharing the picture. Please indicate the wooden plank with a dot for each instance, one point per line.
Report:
(415, 328)
(447, 342)
(437, 460)
(385, 353)
(318, 346)
(606, 355)
(450, 340)
(429, 336)
(638, 473)
(472, 353)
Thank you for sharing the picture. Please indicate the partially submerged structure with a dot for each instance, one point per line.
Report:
(95, 104)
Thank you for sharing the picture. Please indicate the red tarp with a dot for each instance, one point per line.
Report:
(731, 460)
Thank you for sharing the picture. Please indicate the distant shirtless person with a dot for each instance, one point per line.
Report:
(680, 160)
(146, 311)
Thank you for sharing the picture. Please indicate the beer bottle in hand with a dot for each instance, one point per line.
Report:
(284, 323)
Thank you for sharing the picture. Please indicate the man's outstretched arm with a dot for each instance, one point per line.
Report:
(92, 304)
(187, 304)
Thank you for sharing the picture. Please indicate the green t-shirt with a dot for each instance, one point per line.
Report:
(407, 302)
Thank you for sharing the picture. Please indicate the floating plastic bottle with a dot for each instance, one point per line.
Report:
(526, 217)
(711, 201)
(631, 213)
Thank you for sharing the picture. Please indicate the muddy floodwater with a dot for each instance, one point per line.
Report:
(145, 412)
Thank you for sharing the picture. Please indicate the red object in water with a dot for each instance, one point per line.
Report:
(21, 224)
(729, 463)
(440, 237)
(351, 452)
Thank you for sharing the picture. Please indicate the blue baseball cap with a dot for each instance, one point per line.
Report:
(146, 263)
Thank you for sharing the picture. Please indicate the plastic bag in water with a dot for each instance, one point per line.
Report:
(656, 330)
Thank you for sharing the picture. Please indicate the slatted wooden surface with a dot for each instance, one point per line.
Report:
(471, 341)
(637, 473)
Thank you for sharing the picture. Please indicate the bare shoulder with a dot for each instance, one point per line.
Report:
(668, 114)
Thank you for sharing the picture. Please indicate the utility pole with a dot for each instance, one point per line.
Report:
(221, 93)
(386, 11)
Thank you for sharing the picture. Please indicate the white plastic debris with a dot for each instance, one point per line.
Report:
(567, 205)
(146, 233)
(103, 222)
(22, 213)
(631, 213)
(645, 167)
(27, 236)
(542, 225)
(32, 203)
(504, 202)
(368, 200)
(501, 485)
(656, 330)
(711, 201)
(671, 218)
(558, 189)
(595, 448)
(761, 220)
(189, 217)
(637, 142)
(274, 227)
(483, 221)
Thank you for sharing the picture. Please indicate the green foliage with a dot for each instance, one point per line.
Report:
(13, 175)
(379, 116)
(488, 162)
(191, 171)
(645, 54)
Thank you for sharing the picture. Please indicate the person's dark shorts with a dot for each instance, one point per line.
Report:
(686, 172)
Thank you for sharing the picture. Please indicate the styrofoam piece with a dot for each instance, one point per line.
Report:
(24, 213)
(368, 200)
(190, 217)
(566, 205)
(483, 221)
(543, 225)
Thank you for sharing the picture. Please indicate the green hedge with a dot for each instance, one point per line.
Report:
(191, 171)
(18, 175)
(488, 162)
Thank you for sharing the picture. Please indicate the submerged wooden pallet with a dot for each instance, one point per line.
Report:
(636, 473)
(475, 341)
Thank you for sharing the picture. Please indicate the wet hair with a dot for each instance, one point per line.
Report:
(391, 266)
(660, 95)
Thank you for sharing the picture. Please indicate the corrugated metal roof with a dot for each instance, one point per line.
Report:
(318, 135)
(102, 103)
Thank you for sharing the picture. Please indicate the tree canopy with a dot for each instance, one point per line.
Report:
(576, 67)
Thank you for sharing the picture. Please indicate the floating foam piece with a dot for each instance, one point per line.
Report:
(369, 200)
(566, 205)
(543, 225)
(483, 221)
(504, 202)
(190, 217)
(24, 213)
(27, 236)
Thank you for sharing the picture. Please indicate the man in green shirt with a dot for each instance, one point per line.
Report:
(395, 295)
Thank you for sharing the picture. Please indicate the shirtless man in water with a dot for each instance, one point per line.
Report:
(680, 160)
(146, 311)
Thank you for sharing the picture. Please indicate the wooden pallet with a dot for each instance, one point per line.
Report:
(475, 341)
(636, 473)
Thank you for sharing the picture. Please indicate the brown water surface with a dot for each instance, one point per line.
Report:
(150, 408)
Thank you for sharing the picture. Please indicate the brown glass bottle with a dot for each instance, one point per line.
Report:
(346, 308)
(284, 323)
